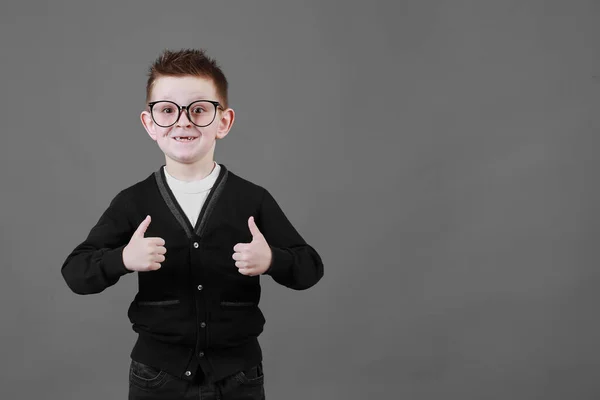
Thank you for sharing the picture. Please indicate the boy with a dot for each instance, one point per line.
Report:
(199, 237)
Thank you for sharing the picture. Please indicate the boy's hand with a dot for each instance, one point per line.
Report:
(253, 258)
(144, 254)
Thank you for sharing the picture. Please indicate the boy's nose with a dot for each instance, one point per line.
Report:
(183, 119)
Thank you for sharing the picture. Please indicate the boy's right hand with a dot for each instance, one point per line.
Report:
(144, 254)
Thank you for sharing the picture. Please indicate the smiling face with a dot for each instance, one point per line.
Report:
(199, 150)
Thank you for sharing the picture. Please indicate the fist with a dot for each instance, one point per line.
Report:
(144, 253)
(253, 258)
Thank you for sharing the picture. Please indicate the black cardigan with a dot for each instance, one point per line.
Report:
(197, 310)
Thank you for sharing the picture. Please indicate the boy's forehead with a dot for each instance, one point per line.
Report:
(183, 88)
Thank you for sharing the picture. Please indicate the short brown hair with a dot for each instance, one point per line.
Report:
(186, 62)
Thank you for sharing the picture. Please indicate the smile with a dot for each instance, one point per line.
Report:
(184, 139)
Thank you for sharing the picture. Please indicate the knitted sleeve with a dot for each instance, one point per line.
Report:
(97, 262)
(295, 264)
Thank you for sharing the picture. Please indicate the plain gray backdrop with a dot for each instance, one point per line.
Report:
(440, 156)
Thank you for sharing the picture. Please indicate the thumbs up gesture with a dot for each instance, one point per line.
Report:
(253, 258)
(144, 253)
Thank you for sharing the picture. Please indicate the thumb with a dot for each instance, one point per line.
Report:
(139, 232)
(253, 228)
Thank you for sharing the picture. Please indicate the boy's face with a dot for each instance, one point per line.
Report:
(183, 91)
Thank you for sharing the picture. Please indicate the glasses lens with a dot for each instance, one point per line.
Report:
(165, 113)
(202, 113)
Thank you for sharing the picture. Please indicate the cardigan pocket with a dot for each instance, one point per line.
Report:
(236, 321)
(167, 320)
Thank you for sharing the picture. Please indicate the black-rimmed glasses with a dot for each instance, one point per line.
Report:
(201, 113)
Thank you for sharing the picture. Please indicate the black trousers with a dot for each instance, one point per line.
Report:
(149, 383)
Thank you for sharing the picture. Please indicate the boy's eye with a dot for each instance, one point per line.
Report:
(198, 110)
(166, 110)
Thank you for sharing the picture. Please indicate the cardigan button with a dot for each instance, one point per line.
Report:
(201, 354)
(196, 245)
(188, 373)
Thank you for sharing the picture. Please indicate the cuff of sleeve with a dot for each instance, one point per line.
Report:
(113, 263)
(281, 262)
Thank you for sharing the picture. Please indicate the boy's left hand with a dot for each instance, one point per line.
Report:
(253, 258)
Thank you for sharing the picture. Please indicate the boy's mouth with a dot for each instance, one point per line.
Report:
(184, 138)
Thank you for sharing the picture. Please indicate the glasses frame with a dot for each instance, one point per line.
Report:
(187, 111)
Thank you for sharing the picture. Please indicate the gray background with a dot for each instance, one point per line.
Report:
(440, 156)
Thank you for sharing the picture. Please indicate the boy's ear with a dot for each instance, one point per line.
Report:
(225, 123)
(148, 124)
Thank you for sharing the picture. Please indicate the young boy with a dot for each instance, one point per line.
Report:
(199, 236)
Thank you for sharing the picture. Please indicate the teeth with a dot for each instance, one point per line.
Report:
(179, 139)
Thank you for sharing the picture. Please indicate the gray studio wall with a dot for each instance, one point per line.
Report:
(441, 157)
